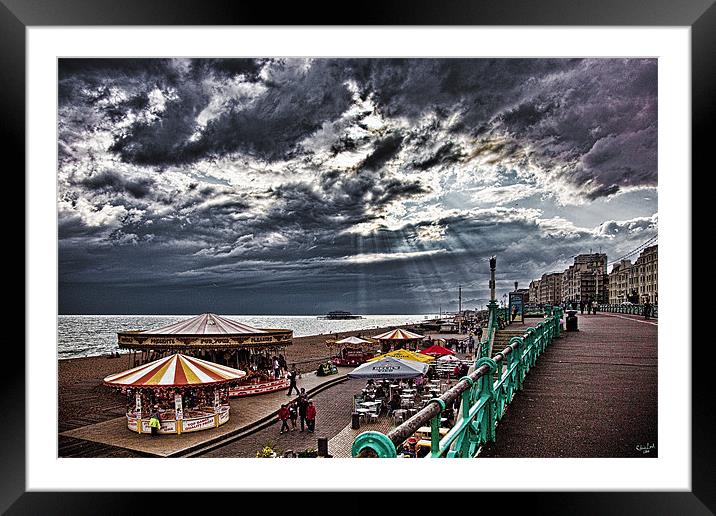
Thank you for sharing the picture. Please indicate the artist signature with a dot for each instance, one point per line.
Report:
(645, 448)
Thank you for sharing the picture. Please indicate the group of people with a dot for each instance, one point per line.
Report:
(303, 408)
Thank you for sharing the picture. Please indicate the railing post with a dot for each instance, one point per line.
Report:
(487, 392)
(435, 429)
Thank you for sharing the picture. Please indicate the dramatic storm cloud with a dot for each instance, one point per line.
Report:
(371, 185)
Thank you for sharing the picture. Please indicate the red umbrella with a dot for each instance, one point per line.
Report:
(438, 351)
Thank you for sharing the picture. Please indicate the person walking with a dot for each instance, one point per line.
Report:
(302, 407)
(589, 306)
(311, 417)
(647, 309)
(292, 381)
(479, 333)
(283, 415)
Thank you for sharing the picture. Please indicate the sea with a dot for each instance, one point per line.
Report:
(93, 335)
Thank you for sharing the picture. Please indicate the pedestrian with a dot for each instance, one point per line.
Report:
(302, 406)
(293, 415)
(581, 307)
(647, 309)
(479, 333)
(155, 421)
(283, 415)
(589, 306)
(311, 416)
(292, 381)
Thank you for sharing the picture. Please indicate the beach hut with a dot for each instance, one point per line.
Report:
(405, 354)
(191, 394)
(390, 368)
(397, 339)
(220, 340)
(438, 351)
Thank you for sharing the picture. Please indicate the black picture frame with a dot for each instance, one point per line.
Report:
(699, 15)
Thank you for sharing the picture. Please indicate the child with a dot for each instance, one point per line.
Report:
(283, 415)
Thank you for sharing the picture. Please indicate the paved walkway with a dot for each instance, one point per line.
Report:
(593, 393)
(244, 413)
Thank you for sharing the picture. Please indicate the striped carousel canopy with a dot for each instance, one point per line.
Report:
(405, 354)
(398, 334)
(204, 324)
(175, 371)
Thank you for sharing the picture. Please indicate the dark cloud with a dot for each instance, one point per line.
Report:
(340, 178)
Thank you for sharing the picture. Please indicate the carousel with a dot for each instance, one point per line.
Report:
(217, 339)
(351, 351)
(397, 339)
(189, 394)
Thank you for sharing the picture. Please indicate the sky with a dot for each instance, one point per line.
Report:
(300, 186)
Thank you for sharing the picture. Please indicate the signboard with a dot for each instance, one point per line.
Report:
(202, 423)
(178, 408)
(132, 339)
(517, 307)
(138, 404)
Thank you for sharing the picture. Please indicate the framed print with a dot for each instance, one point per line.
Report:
(348, 188)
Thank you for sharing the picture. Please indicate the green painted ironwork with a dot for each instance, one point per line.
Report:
(629, 309)
(484, 396)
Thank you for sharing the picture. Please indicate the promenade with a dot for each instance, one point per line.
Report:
(593, 393)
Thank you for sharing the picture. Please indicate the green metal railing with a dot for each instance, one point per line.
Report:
(629, 309)
(483, 400)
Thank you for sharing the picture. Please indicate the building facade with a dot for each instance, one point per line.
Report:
(550, 288)
(534, 291)
(637, 282)
(586, 280)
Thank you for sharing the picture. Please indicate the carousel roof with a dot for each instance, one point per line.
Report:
(404, 354)
(353, 340)
(437, 350)
(175, 371)
(398, 334)
(204, 324)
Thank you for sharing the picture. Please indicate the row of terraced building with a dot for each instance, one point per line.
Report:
(587, 280)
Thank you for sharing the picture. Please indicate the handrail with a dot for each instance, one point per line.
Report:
(629, 309)
(483, 400)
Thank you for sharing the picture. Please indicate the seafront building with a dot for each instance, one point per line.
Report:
(534, 291)
(635, 282)
(550, 288)
(586, 280)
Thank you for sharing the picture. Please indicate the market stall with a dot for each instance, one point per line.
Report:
(398, 339)
(220, 340)
(188, 393)
(389, 368)
(437, 351)
(405, 354)
(352, 351)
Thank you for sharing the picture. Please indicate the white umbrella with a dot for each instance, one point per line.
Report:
(353, 340)
(448, 358)
(389, 367)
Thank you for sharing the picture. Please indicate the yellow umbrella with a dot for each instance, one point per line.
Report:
(405, 354)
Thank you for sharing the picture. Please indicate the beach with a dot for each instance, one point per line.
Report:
(83, 400)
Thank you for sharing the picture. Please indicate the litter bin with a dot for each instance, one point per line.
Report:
(571, 321)
(355, 421)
